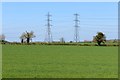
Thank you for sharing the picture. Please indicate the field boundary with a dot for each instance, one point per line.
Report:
(71, 44)
(60, 79)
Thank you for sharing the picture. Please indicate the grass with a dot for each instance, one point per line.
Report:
(0, 61)
(43, 61)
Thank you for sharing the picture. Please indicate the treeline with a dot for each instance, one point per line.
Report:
(59, 43)
(26, 39)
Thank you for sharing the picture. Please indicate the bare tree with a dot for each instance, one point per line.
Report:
(22, 37)
(27, 36)
(2, 37)
(62, 40)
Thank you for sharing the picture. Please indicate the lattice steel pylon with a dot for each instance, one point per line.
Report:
(48, 37)
(76, 34)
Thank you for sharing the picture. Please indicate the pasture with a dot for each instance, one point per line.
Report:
(58, 61)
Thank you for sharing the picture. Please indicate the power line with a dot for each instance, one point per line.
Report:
(76, 35)
(48, 37)
(99, 18)
(99, 25)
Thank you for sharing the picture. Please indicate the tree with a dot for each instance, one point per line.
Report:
(28, 36)
(62, 40)
(2, 37)
(99, 38)
(22, 37)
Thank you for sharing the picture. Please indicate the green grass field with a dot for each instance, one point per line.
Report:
(43, 61)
